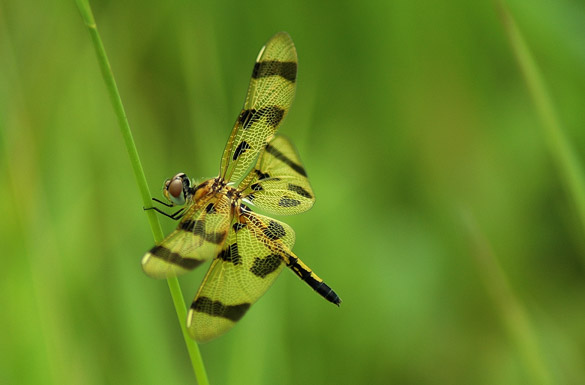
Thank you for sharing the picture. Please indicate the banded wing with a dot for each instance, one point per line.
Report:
(246, 267)
(270, 95)
(278, 183)
(199, 237)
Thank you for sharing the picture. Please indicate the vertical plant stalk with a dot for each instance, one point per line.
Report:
(514, 316)
(173, 283)
(560, 147)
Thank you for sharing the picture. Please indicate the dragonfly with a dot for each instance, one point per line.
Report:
(259, 168)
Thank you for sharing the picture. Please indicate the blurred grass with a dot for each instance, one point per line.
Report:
(561, 149)
(511, 310)
(405, 112)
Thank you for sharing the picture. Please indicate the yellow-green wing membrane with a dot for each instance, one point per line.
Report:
(242, 272)
(270, 95)
(278, 184)
(199, 237)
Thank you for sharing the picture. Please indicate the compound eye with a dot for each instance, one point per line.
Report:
(175, 188)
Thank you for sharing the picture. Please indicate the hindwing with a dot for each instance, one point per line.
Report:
(278, 183)
(246, 267)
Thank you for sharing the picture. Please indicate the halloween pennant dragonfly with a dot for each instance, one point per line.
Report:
(258, 168)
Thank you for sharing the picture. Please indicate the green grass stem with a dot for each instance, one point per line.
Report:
(514, 316)
(559, 146)
(173, 283)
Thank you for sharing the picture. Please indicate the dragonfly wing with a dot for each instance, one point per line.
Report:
(246, 267)
(270, 95)
(200, 235)
(279, 183)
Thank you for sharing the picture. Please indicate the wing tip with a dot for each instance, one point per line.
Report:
(160, 269)
(150, 270)
(281, 33)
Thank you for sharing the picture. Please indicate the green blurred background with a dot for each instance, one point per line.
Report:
(441, 218)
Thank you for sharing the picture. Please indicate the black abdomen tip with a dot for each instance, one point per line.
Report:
(328, 293)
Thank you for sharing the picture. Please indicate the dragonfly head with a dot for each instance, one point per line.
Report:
(177, 189)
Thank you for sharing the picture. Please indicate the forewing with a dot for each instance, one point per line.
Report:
(242, 272)
(199, 237)
(279, 183)
(270, 95)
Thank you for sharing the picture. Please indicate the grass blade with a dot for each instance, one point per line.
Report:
(173, 283)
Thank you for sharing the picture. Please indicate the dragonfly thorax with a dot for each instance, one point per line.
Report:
(212, 187)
